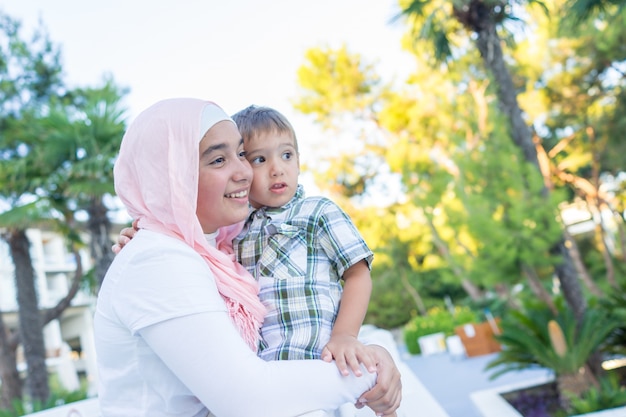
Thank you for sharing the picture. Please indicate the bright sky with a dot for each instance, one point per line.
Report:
(234, 52)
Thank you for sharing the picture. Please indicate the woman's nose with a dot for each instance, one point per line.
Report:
(243, 171)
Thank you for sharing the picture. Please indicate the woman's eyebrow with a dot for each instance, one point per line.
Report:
(212, 148)
(217, 147)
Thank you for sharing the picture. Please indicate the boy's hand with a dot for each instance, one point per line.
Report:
(349, 353)
(126, 234)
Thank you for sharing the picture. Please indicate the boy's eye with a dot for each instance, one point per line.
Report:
(287, 155)
(257, 160)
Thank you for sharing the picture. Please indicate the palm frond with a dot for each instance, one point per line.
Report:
(25, 215)
(526, 340)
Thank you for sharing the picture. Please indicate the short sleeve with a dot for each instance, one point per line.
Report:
(166, 280)
(340, 239)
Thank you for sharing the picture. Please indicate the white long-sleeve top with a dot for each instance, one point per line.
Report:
(167, 347)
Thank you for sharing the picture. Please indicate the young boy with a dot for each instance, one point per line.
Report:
(300, 249)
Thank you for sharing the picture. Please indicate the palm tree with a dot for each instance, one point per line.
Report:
(87, 128)
(535, 336)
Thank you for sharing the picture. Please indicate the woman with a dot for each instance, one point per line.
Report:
(177, 320)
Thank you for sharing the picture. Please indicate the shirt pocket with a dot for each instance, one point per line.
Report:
(285, 254)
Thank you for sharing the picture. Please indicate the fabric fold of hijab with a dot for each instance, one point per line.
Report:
(156, 177)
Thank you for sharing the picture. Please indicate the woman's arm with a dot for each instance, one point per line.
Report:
(232, 381)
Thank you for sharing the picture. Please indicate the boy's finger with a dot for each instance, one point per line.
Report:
(340, 361)
(354, 364)
(326, 355)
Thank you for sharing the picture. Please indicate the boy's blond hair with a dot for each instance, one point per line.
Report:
(255, 120)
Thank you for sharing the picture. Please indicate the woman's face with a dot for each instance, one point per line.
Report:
(224, 178)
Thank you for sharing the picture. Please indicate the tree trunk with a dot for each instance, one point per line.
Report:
(574, 384)
(580, 266)
(570, 284)
(537, 288)
(417, 299)
(11, 388)
(56, 311)
(30, 326)
(607, 257)
(621, 232)
(547, 169)
(599, 205)
(489, 44)
(99, 227)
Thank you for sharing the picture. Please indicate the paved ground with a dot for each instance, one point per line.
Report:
(451, 379)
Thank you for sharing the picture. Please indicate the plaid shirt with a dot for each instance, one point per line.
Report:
(298, 253)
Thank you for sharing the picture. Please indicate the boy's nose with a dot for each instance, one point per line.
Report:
(277, 170)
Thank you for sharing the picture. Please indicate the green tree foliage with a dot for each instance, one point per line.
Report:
(334, 82)
(485, 23)
(584, 10)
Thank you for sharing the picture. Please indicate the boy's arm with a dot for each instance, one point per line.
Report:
(344, 345)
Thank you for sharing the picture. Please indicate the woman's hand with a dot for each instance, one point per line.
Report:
(386, 395)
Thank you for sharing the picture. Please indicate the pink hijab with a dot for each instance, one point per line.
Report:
(156, 176)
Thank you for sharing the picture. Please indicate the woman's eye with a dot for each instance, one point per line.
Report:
(218, 161)
(242, 154)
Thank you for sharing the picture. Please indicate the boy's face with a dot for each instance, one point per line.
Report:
(276, 167)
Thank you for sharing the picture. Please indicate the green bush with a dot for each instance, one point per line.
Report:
(437, 320)
(390, 304)
(58, 396)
